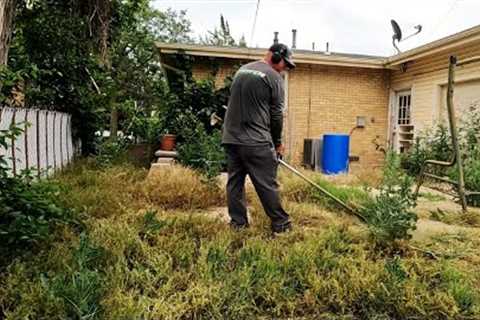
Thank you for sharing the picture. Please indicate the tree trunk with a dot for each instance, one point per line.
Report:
(114, 122)
(103, 32)
(7, 11)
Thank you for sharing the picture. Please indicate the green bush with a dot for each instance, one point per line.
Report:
(28, 208)
(110, 152)
(430, 144)
(145, 126)
(389, 215)
(435, 143)
(203, 152)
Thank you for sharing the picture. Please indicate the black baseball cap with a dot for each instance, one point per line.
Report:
(285, 53)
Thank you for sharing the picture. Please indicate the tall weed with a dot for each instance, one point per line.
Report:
(389, 215)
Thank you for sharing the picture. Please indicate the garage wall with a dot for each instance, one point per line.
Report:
(466, 95)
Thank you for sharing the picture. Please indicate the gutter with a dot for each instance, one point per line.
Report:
(255, 54)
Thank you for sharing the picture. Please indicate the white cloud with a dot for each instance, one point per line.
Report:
(350, 26)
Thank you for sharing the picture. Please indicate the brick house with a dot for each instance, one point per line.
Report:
(329, 92)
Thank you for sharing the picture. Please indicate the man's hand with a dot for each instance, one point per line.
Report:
(280, 150)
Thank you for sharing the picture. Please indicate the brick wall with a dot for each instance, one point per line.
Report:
(203, 68)
(326, 99)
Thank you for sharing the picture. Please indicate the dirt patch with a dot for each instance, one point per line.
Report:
(442, 207)
(428, 228)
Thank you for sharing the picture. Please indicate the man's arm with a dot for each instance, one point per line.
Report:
(276, 112)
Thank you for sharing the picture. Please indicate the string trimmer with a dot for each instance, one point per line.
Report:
(214, 119)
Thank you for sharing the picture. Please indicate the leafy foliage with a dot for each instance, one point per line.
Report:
(55, 62)
(194, 101)
(188, 115)
(430, 144)
(28, 208)
(222, 36)
(110, 152)
(169, 26)
(389, 215)
(435, 143)
(203, 152)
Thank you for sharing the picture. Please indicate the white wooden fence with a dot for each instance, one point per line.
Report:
(45, 144)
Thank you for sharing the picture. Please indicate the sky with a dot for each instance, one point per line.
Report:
(349, 26)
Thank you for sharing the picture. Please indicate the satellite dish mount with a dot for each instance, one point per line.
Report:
(397, 34)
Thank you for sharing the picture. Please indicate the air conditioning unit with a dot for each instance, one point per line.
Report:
(312, 153)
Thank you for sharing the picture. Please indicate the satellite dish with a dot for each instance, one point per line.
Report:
(397, 33)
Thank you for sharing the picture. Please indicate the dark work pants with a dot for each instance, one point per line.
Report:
(260, 163)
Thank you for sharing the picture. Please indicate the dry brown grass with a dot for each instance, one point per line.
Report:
(178, 264)
(178, 187)
(101, 193)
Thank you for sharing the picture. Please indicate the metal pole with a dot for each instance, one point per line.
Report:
(454, 133)
(322, 190)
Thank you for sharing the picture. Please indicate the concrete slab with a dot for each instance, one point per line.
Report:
(165, 154)
(166, 160)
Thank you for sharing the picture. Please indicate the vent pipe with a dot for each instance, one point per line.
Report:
(294, 38)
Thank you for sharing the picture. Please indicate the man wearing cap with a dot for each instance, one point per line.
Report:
(252, 136)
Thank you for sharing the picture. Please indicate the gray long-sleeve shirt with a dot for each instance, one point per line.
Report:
(254, 114)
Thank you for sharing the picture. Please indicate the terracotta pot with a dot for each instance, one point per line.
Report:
(168, 142)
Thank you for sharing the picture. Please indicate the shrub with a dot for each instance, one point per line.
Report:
(431, 144)
(28, 208)
(144, 124)
(389, 215)
(203, 152)
(110, 152)
(187, 114)
(435, 143)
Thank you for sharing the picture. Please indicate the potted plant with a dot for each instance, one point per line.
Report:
(168, 141)
(170, 125)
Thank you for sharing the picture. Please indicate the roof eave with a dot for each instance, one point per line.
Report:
(255, 54)
(459, 39)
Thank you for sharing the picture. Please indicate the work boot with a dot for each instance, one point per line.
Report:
(237, 227)
(277, 230)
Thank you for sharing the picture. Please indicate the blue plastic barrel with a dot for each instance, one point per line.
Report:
(335, 153)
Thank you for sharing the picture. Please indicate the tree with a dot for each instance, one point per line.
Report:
(62, 57)
(222, 36)
(242, 42)
(133, 56)
(7, 12)
(131, 32)
(169, 26)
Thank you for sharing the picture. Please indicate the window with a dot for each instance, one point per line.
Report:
(404, 102)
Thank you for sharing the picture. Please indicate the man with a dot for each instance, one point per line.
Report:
(252, 136)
